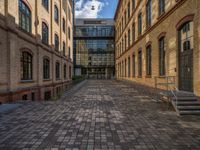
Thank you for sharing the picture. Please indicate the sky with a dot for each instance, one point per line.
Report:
(102, 8)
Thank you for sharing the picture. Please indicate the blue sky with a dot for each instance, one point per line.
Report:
(102, 8)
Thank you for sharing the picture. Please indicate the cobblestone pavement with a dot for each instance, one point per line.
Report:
(99, 115)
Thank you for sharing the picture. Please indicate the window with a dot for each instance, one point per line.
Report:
(129, 37)
(56, 14)
(148, 14)
(69, 33)
(57, 70)
(69, 52)
(64, 49)
(125, 43)
(133, 4)
(140, 24)
(125, 68)
(129, 67)
(64, 24)
(69, 14)
(45, 33)
(45, 3)
(133, 32)
(25, 97)
(186, 37)
(133, 66)
(148, 61)
(70, 72)
(46, 68)
(33, 96)
(65, 71)
(47, 95)
(162, 56)
(129, 11)
(140, 64)
(125, 20)
(26, 66)
(161, 7)
(56, 42)
(24, 17)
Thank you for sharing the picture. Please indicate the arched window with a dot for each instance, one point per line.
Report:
(45, 3)
(186, 37)
(140, 63)
(148, 13)
(56, 42)
(64, 24)
(162, 56)
(26, 66)
(64, 48)
(56, 14)
(46, 68)
(139, 24)
(148, 61)
(24, 17)
(161, 6)
(45, 33)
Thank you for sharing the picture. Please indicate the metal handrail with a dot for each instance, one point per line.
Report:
(169, 81)
(176, 97)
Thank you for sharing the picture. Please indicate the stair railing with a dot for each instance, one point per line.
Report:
(175, 96)
(169, 82)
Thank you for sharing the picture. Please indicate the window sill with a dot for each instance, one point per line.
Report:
(26, 81)
(148, 76)
(46, 80)
(162, 76)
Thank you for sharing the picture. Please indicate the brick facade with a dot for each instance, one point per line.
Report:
(13, 41)
(175, 15)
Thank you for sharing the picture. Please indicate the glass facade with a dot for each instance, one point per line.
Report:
(94, 53)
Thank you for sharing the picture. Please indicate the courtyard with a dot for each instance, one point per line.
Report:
(98, 114)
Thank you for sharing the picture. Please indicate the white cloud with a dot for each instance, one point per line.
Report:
(83, 9)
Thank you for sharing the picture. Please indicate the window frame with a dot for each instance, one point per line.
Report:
(56, 14)
(46, 69)
(149, 60)
(149, 13)
(57, 70)
(162, 55)
(64, 25)
(25, 15)
(45, 36)
(140, 24)
(45, 4)
(140, 64)
(56, 42)
(161, 7)
(26, 61)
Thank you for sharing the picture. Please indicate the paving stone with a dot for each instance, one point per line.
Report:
(101, 115)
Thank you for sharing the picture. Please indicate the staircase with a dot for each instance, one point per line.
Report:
(185, 103)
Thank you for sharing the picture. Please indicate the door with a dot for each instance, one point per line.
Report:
(186, 57)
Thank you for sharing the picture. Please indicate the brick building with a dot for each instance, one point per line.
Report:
(36, 44)
(157, 41)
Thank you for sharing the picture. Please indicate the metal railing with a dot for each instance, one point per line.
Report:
(169, 82)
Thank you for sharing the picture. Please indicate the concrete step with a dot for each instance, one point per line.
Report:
(189, 107)
(185, 98)
(191, 112)
(187, 103)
